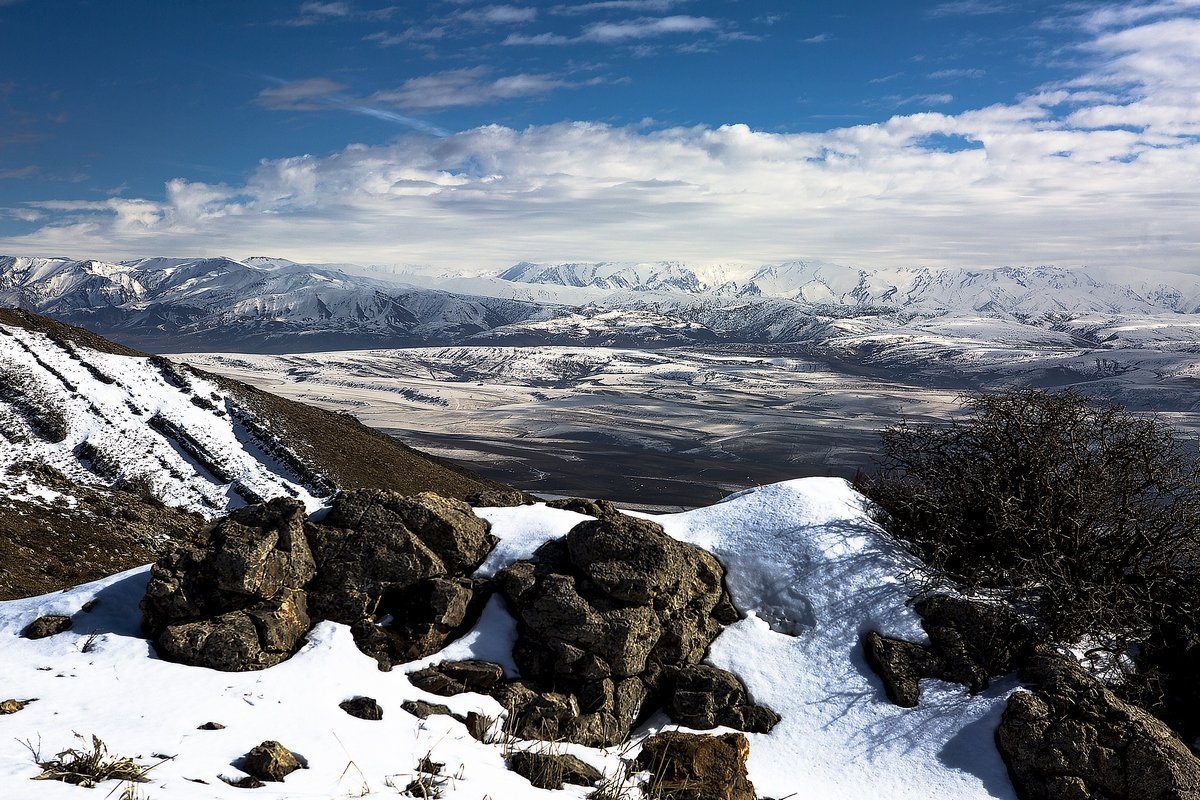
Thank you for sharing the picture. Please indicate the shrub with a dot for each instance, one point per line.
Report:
(1083, 513)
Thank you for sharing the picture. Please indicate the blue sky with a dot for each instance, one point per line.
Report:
(463, 134)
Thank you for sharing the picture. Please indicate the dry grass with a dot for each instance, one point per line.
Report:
(83, 767)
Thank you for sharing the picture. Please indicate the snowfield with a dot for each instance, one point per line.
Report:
(806, 566)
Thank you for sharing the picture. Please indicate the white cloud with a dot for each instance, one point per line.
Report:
(1104, 169)
(969, 8)
(498, 15)
(644, 6)
(308, 94)
(466, 87)
(646, 28)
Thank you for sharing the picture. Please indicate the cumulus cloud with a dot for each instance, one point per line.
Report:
(1103, 170)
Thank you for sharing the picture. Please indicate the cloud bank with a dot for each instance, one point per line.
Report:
(1103, 169)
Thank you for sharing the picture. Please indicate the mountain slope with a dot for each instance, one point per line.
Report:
(95, 436)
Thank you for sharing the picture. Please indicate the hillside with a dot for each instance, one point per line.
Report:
(110, 452)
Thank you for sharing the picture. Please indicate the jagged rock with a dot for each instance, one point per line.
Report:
(242, 593)
(270, 761)
(969, 643)
(705, 697)
(211, 726)
(552, 770)
(688, 766)
(455, 677)
(362, 707)
(48, 625)
(582, 505)
(1073, 738)
(602, 616)
(257, 637)
(423, 709)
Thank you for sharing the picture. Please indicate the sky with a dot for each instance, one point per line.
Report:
(466, 135)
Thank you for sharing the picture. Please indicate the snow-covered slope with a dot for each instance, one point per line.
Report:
(806, 566)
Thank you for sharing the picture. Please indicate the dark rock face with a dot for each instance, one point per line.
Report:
(705, 697)
(455, 677)
(270, 761)
(687, 766)
(1072, 738)
(970, 643)
(422, 709)
(243, 593)
(552, 770)
(362, 707)
(498, 499)
(604, 618)
(49, 625)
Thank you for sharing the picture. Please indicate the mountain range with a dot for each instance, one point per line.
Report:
(275, 305)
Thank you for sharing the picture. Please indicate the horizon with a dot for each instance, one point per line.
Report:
(969, 134)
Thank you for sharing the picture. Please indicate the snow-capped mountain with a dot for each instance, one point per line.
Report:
(271, 304)
(275, 305)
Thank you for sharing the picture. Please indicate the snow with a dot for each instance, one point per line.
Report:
(108, 401)
(807, 567)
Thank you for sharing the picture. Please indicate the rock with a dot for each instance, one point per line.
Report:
(552, 770)
(498, 499)
(211, 726)
(48, 625)
(270, 761)
(969, 643)
(422, 619)
(455, 677)
(257, 637)
(13, 706)
(362, 707)
(582, 505)
(603, 615)
(705, 697)
(244, 782)
(1073, 738)
(423, 709)
(687, 766)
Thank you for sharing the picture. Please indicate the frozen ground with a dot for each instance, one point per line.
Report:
(807, 568)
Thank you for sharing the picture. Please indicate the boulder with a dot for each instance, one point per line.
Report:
(13, 706)
(688, 766)
(495, 498)
(423, 709)
(1072, 738)
(270, 761)
(257, 637)
(48, 625)
(604, 616)
(362, 707)
(582, 505)
(704, 697)
(455, 677)
(552, 770)
(969, 643)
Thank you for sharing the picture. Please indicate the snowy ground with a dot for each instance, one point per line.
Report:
(807, 567)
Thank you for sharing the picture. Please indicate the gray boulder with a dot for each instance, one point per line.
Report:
(1071, 738)
(552, 770)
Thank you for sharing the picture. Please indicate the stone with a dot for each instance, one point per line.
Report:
(603, 615)
(687, 766)
(48, 625)
(13, 706)
(210, 726)
(582, 505)
(552, 770)
(970, 642)
(423, 709)
(455, 677)
(257, 637)
(362, 707)
(244, 782)
(1072, 738)
(422, 619)
(704, 697)
(498, 499)
(270, 761)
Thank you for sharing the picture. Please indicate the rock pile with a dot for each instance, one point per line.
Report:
(242, 593)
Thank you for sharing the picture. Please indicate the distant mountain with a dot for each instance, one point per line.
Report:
(269, 306)
(272, 305)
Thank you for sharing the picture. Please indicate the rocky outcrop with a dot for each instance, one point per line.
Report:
(243, 592)
(1072, 738)
(705, 697)
(606, 619)
(582, 505)
(969, 643)
(687, 766)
